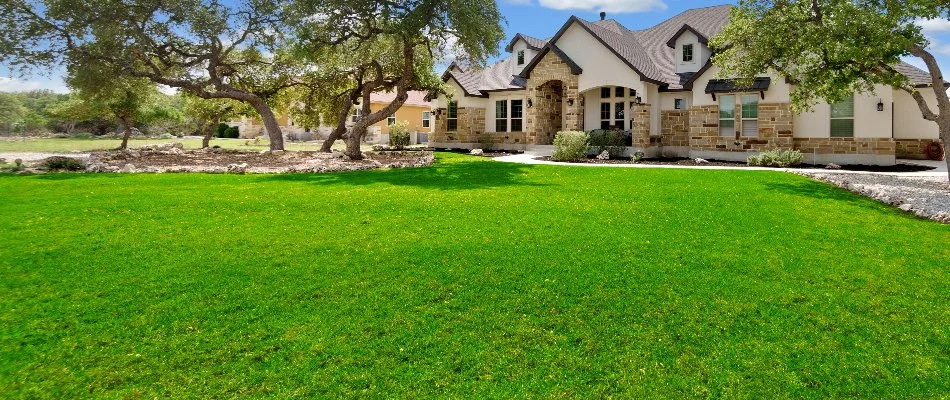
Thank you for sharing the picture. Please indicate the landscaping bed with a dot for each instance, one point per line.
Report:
(690, 162)
(172, 158)
(924, 196)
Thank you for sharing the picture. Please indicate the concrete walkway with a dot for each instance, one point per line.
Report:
(528, 158)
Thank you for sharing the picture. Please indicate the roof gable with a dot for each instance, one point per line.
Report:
(550, 47)
(533, 43)
(702, 38)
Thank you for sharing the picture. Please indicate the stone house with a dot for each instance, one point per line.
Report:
(659, 85)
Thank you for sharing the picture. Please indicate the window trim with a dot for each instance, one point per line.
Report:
(520, 57)
(605, 92)
(732, 118)
(691, 54)
(606, 106)
(512, 118)
(832, 118)
(501, 106)
(427, 119)
(679, 104)
(742, 117)
(452, 121)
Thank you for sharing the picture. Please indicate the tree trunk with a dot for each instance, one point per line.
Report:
(945, 138)
(337, 133)
(126, 134)
(353, 141)
(208, 132)
(270, 123)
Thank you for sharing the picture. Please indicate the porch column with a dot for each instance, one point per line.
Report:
(640, 128)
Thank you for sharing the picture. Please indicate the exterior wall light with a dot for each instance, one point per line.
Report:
(880, 105)
(570, 102)
(639, 100)
(530, 103)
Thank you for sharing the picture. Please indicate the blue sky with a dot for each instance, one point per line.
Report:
(542, 18)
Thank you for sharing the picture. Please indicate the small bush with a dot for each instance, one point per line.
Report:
(399, 134)
(166, 136)
(58, 163)
(486, 142)
(83, 135)
(220, 130)
(232, 133)
(570, 146)
(776, 158)
(611, 141)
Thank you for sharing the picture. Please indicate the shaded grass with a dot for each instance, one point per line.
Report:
(472, 278)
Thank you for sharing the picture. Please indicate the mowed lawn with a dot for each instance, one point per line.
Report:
(472, 278)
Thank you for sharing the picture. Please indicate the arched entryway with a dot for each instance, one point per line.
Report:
(549, 109)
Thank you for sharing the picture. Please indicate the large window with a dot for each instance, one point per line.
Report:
(426, 119)
(842, 118)
(618, 115)
(520, 57)
(727, 116)
(604, 115)
(517, 113)
(452, 117)
(750, 115)
(501, 116)
(687, 53)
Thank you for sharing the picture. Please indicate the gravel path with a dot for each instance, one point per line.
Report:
(925, 196)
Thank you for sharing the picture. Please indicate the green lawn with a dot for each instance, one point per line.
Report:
(68, 145)
(472, 278)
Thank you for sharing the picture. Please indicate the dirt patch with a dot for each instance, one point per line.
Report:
(172, 158)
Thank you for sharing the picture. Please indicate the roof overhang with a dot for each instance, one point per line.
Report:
(717, 86)
(511, 44)
(702, 38)
(550, 47)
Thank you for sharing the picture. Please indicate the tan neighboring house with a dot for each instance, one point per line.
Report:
(659, 85)
(416, 111)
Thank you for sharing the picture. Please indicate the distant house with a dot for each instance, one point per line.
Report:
(659, 86)
(416, 111)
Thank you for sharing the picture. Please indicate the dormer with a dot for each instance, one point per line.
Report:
(523, 48)
(690, 50)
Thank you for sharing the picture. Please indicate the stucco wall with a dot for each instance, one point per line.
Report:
(601, 66)
(408, 113)
(667, 100)
(868, 122)
(778, 92)
(909, 122)
(528, 55)
(701, 53)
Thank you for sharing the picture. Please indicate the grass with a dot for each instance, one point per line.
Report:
(472, 278)
(69, 145)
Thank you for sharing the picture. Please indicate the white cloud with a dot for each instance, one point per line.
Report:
(9, 84)
(932, 26)
(614, 6)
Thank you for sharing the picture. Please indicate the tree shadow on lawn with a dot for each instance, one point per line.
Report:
(450, 175)
(826, 191)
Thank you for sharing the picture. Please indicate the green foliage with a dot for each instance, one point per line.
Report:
(776, 158)
(612, 141)
(221, 130)
(552, 281)
(399, 134)
(232, 132)
(59, 163)
(570, 146)
(12, 111)
(830, 48)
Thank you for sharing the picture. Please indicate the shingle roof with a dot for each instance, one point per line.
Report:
(646, 51)
(533, 43)
(416, 98)
(729, 85)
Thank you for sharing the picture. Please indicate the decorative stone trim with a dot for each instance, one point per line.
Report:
(674, 128)
(914, 149)
(776, 129)
(877, 146)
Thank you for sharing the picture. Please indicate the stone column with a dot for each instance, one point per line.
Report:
(641, 125)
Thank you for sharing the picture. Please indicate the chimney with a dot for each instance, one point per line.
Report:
(603, 15)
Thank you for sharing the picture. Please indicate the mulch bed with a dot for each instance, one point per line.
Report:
(712, 163)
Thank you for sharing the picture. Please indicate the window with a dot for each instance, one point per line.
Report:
(727, 116)
(452, 117)
(391, 119)
(687, 53)
(618, 114)
(750, 115)
(426, 119)
(679, 104)
(356, 114)
(517, 112)
(633, 92)
(605, 115)
(605, 92)
(619, 91)
(501, 116)
(520, 57)
(842, 118)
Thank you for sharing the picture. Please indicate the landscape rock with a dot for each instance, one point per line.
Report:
(128, 169)
(925, 196)
(701, 161)
(832, 166)
(237, 168)
(604, 155)
(477, 152)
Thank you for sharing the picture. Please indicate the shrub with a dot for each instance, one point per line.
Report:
(59, 163)
(611, 141)
(83, 135)
(232, 133)
(486, 142)
(166, 136)
(399, 134)
(220, 130)
(570, 146)
(776, 158)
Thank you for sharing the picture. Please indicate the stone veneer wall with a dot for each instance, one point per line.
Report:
(776, 128)
(674, 128)
(877, 146)
(471, 124)
(915, 149)
(641, 125)
(551, 68)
